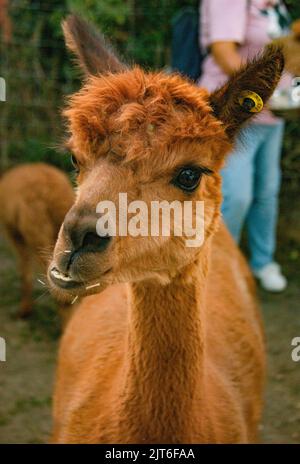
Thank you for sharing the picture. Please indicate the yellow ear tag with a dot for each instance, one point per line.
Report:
(251, 101)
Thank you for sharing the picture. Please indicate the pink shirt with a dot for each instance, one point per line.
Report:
(249, 23)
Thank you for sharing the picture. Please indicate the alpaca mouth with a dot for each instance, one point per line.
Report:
(63, 280)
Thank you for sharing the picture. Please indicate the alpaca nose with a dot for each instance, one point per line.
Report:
(93, 242)
(80, 231)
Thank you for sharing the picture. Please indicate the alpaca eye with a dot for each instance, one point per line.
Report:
(74, 163)
(188, 179)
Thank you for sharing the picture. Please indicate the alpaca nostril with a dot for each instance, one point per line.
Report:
(80, 233)
(94, 242)
(91, 243)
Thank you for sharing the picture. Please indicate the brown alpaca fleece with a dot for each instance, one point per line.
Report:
(34, 199)
(291, 49)
(170, 347)
(5, 22)
(296, 29)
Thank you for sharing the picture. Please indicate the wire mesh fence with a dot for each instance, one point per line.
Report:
(38, 71)
(31, 66)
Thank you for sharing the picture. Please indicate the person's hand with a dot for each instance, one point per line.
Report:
(226, 56)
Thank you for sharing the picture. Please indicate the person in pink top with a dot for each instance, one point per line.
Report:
(233, 31)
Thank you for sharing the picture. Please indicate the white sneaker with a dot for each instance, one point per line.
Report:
(271, 278)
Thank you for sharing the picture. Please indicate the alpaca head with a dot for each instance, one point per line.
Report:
(151, 137)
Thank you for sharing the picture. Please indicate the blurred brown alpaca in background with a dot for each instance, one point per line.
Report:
(34, 199)
(291, 49)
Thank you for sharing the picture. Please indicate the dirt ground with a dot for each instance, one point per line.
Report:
(26, 378)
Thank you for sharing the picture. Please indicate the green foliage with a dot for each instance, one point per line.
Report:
(110, 12)
(294, 7)
(140, 29)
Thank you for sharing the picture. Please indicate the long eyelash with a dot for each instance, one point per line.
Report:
(206, 171)
(202, 169)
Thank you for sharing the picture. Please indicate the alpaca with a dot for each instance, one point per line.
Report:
(166, 345)
(291, 49)
(34, 199)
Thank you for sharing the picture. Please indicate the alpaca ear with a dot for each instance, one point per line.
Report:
(245, 94)
(94, 55)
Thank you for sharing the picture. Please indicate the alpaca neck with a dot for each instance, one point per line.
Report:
(165, 357)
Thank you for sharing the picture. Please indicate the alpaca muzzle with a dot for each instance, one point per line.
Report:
(78, 248)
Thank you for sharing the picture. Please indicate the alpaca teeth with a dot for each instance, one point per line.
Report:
(59, 275)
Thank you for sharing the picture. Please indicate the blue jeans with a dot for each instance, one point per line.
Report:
(251, 184)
